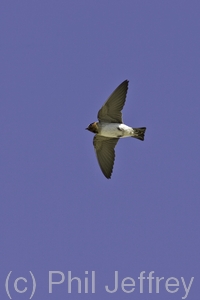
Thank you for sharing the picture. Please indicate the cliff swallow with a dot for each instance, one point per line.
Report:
(110, 128)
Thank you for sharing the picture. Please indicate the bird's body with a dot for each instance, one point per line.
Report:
(110, 128)
(114, 130)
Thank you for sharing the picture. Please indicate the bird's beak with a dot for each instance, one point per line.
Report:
(86, 128)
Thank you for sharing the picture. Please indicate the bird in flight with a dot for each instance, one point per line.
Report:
(111, 128)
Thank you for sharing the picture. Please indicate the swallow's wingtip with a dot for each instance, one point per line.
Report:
(108, 176)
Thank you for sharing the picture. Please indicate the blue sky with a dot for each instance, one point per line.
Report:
(60, 60)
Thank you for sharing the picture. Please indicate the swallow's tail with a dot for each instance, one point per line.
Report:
(139, 133)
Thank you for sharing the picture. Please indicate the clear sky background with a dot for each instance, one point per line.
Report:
(60, 60)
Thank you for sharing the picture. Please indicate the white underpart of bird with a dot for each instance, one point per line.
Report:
(116, 130)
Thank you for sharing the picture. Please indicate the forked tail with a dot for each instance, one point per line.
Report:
(139, 133)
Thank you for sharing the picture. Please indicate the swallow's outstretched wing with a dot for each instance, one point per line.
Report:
(111, 110)
(104, 148)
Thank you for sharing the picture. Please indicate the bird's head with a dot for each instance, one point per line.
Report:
(93, 127)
